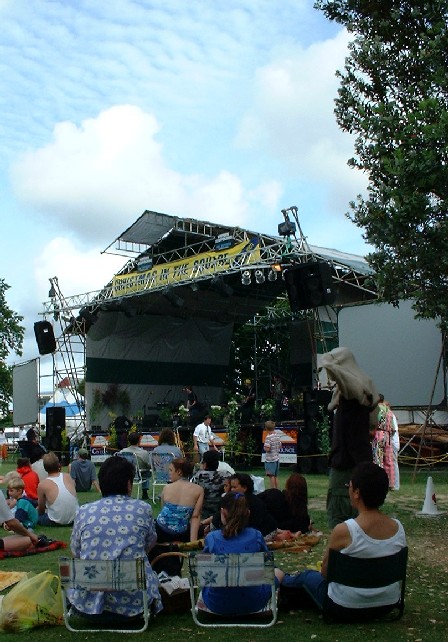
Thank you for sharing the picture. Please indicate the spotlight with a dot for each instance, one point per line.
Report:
(259, 276)
(245, 277)
(287, 228)
(272, 275)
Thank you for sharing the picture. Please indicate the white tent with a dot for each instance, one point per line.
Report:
(63, 398)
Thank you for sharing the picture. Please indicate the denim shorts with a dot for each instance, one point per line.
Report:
(271, 468)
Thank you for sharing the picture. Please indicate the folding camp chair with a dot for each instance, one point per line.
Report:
(159, 470)
(106, 576)
(365, 573)
(138, 479)
(232, 570)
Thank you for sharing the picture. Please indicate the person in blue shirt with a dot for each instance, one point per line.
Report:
(235, 536)
(22, 507)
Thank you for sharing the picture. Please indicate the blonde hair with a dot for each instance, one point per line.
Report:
(13, 474)
(16, 483)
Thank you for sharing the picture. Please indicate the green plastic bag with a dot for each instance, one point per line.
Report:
(35, 601)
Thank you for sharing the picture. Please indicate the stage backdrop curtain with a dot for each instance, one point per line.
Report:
(154, 357)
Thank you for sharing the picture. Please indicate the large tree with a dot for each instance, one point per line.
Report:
(11, 340)
(393, 97)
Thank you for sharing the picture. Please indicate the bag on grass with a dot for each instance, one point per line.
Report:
(35, 601)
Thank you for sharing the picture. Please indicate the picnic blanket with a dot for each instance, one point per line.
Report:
(53, 546)
(300, 544)
(8, 578)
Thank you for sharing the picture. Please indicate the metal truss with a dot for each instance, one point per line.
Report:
(70, 356)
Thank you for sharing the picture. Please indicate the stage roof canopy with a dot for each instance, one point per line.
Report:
(186, 268)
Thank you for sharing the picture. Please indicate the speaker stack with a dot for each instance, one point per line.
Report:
(309, 285)
(55, 424)
(308, 440)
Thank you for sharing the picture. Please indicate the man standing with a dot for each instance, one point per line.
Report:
(203, 438)
(354, 400)
(83, 472)
(143, 460)
(193, 404)
(248, 404)
(57, 501)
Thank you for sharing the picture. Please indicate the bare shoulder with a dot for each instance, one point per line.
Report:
(340, 537)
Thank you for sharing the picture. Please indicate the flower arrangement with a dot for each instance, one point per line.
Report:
(232, 407)
(183, 412)
(267, 408)
(217, 412)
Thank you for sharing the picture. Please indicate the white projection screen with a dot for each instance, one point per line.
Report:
(399, 352)
(25, 392)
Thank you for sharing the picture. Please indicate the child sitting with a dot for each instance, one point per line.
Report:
(21, 506)
(30, 478)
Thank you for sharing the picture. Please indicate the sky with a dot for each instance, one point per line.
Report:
(219, 110)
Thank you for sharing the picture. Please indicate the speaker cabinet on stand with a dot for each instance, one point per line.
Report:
(55, 424)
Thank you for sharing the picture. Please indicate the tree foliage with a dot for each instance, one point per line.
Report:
(393, 97)
(11, 340)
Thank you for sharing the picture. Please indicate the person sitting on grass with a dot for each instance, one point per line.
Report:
(23, 538)
(57, 501)
(371, 534)
(83, 472)
(22, 507)
(289, 507)
(30, 478)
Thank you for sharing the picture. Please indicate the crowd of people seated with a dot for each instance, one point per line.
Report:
(219, 505)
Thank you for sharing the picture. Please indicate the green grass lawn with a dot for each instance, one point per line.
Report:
(426, 612)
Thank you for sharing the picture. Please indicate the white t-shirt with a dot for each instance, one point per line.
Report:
(5, 512)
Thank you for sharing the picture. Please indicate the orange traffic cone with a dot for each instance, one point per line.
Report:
(430, 504)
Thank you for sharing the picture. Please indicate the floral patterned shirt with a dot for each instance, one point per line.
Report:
(110, 528)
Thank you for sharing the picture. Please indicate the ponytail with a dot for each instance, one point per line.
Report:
(237, 517)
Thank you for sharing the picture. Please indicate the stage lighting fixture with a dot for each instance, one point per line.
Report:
(272, 275)
(259, 276)
(173, 298)
(286, 228)
(245, 277)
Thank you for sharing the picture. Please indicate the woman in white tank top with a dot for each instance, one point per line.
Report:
(372, 534)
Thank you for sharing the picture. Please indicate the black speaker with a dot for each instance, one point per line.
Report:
(309, 285)
(150, 421)
(55, 424)
(46, 342)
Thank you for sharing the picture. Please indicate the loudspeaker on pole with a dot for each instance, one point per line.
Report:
(43, 331)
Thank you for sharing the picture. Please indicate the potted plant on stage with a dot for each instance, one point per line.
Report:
(166, 416)
(183, 414)
(217, 413)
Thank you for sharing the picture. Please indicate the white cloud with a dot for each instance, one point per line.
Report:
(291, 117)
(96, 178)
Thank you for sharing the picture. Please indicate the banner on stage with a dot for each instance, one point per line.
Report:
(204, 264)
